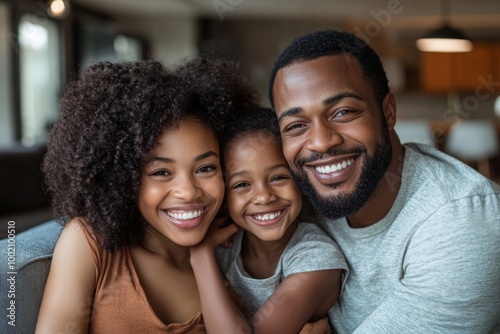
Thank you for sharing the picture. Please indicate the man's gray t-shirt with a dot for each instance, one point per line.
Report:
(432, 265)
(309, 249)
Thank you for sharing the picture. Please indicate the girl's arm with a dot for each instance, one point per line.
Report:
(69, 292)
(299, 298)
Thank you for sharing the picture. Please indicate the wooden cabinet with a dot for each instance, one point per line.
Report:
(496, 62)
(461, 72)
(435, 71)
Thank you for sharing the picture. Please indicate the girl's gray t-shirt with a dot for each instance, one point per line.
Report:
(309, 249)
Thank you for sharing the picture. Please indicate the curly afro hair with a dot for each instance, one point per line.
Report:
(111, 118)
(221, 90)
(331, 42)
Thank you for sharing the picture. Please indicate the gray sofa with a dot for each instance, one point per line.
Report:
(22, 285)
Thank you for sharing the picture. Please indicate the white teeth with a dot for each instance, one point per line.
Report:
(185, 214)
(268, 216)
(334, 167)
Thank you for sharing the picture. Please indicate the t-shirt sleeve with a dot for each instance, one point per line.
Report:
(226, 255)
(313, 250)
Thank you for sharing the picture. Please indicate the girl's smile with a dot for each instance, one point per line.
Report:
(261, 193)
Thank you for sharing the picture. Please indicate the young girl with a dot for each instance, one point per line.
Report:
(133, 166)
(286, 273)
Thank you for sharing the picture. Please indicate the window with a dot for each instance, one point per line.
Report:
(40, 76)
(6, 91)
(98, 42)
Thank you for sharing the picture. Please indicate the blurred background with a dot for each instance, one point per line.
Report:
(448, 100)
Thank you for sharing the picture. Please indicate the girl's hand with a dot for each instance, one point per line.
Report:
(218, 233)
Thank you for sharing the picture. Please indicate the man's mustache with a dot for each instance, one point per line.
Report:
(332, 152)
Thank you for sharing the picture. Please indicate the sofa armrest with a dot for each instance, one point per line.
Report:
(21, 292)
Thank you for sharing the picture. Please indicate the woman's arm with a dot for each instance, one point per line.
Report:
(220, 314)
(69, 292)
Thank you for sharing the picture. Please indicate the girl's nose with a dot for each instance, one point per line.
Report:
(263, 195)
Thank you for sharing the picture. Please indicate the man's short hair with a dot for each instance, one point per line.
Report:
(328, 43)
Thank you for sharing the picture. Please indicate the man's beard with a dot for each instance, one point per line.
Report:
(343, 204)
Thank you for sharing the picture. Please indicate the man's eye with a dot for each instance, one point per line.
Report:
(295, 126)
(346, 114)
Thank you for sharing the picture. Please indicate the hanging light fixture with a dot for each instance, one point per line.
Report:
(446, 38)
(58, 9)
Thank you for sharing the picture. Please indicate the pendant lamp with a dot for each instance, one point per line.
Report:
(58, 9)
(446, 38)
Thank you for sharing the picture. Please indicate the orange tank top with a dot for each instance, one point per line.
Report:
(120, 304)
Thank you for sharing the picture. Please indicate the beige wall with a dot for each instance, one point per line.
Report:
(172, 39)
(256, 43)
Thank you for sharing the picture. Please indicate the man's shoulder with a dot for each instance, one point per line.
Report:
(442, 195)
(431, 170)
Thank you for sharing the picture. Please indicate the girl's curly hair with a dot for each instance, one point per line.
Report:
(110, 120)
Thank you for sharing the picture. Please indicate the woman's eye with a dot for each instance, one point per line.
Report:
(160, 172)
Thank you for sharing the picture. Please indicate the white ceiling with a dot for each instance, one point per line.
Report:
(406, 13)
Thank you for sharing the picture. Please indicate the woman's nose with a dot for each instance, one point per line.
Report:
(186, 188)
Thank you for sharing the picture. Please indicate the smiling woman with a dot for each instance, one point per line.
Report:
(133, 165)
(182, 186)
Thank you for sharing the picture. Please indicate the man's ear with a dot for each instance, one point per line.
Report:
(389, 107)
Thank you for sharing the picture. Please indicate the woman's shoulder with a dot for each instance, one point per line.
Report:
(79, 228)
(78, 236)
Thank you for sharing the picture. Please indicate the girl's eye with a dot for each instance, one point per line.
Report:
(207, 169)
(279, 178)
(241, 185)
